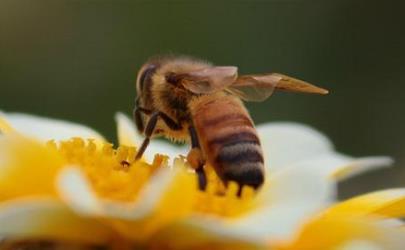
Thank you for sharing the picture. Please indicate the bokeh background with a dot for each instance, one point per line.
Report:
(77, 60)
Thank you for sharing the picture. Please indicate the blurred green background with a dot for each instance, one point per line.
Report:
(77, 60)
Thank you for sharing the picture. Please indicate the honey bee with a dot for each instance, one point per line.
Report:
(187, 99)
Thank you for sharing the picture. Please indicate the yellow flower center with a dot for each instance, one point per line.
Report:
(111, 172)
(114, 175)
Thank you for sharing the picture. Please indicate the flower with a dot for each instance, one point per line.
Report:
(64, 182)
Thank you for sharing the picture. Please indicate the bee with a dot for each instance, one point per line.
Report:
(191, 100)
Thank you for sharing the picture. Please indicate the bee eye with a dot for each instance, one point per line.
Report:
(146, 75)
(172, 78)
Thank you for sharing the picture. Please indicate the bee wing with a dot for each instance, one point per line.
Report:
(260, 87)
(209, 80)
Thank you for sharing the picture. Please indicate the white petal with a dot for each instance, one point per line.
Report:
(126, 132)
(162, 201)
(48, 129)
(298, 185)
(128, 135)
(360, 165)
(392, 222)
(45, 218)
(285, 143)
(384, 238)
(360, 245)
(293, 145)
(76, 191)
(292, 197)
(342, 166)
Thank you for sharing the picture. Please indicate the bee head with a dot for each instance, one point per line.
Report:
(144, 79)
(167, 71)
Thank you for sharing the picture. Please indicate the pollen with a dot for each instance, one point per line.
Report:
(223, 201)
(112, 172)
(224, 204)
(115, 175)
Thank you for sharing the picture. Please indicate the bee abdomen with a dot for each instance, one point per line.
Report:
(241, 160)
(229, 140)
(239, 154)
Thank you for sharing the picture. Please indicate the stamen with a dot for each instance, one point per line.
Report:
(115, 175)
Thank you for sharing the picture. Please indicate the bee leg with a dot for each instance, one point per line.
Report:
(202, 178)
(138, 120)
(137, 116)
(173, 125)
(239, 193)
(144, 110)
(148, 133)
(196, 159)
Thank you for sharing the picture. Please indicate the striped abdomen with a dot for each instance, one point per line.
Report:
(228, 139)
